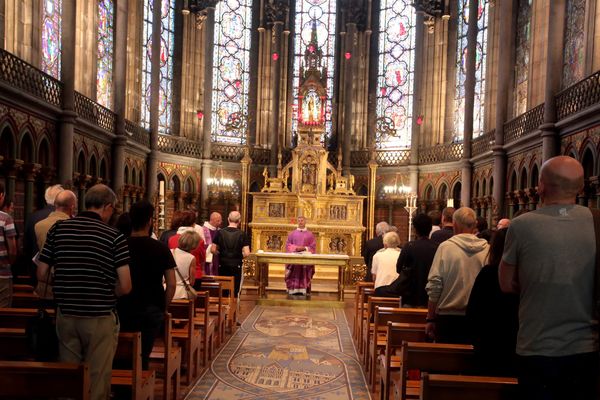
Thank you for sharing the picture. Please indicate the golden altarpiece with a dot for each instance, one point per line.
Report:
(309, 185)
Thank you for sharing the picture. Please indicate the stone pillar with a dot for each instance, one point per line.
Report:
(504, 72)
(2, 22)
(152, 160)
(119, 80)
(416, 111)
(351, 45)
(67, 119)
(371, 196)
(246, 162)
(466, 167)
(30, 170)
(554, 65)
(209, 40)
(274, 136)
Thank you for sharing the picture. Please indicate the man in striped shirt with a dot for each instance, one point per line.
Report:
(91, 264)
(8, 253)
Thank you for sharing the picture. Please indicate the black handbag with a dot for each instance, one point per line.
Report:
(41, 333)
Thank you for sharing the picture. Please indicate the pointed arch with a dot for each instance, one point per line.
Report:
(93, 166)
(428, 192)
(535, 176)
(443, 191)
(44, 155)
(513, 182)
(81, 164)
(7, 142)
(103, 169)
(175, 183)
(189, 186)
(588, 162)
(26, 148)
(523, 179)
(477, 188)
(134, 181)
(484, 191)
(126, 175)
(456, 190)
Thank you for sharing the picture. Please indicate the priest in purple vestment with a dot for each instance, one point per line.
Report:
(298, 277)
(211, 227)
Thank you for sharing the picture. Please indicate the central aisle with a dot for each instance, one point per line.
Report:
(286, 353)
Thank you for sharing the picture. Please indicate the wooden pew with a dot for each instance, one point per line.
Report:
(13, 340)
(186, 335)
(396, 334)
(462, 387)
(206, 324)
(129, 352)
(430, 357)
(170, 356)
(229, 301)
(362, 314)
(25, 300)
(27, 380)
(20, 287)
(18, 317)
(358, 305)
(215, 290)
(369, 324)
(378, 341)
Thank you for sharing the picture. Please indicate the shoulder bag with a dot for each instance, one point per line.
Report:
(41, 332)
(191, 292)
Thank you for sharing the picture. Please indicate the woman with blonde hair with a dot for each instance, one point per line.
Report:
(186, 262)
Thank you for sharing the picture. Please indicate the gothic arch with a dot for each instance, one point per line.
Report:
(363, 190)
(523, 178)
(44, 154)
(93, 166)
(133, 180)
(175, 183)
(103, 171)
(513, 182)
(7, 142)
(428, 192)
(484, 191)
(141, 178)
(456, 189)
(254, 187)
(535, 176)
(26, 149)
(189, 185)
(588, 162)
(126, 174)
(477, 188)
(443, 192)
(81, 164)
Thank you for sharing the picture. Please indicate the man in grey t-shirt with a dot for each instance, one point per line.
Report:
(549, 259)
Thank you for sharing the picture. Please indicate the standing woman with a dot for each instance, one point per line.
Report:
(186, 262)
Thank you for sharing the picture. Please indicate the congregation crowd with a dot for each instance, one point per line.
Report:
(521, 294)
(107, 274)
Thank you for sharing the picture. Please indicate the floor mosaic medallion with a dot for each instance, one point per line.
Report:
(286, 353)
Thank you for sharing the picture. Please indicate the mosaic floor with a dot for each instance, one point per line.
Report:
(286, 353)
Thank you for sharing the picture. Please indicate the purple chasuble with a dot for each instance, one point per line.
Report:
(211, 268)
(298, 277)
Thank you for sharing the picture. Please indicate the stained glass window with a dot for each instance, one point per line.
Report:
(146, 62)
(396, 72)
(522, 56)
(480, 68)
(320, 13)
(167, 45)
(51, 37)
(574, 49)
(105, 52)
(231, 69)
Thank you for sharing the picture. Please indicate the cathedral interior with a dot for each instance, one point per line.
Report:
(200, 103)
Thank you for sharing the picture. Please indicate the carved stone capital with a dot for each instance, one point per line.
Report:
(30, 170)
(355, 12)
(12, 167)
(276, 11)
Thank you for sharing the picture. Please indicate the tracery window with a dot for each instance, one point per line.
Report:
(146, 62)
(231, 70)
(522, 56)
(105, 40)
(480, 68)
(395, 79)
(167, 45)
(574, 49)
(321, 13)
(51, 37)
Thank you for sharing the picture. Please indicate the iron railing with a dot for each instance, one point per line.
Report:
(483, 143)
(524, 124)
(179, 146)
(441, 153)
(24, 76)
(94, 113)
(579, 96)
(138, 133)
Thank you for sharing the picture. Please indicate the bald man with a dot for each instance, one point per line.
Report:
(549, 260)
(232, 245)
(65, 206)
(503, 223)
(211, 228)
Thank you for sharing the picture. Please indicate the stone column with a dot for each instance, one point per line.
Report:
(152, 160)
(554, 65)
(30, 170)
(371, 196)
(466, 167)
(67, 119)
(274, 136)
(119, 80)
(351, 44)
(246, 162)
(413, 168)
(2, 22)
(209, 40)
(504, 72)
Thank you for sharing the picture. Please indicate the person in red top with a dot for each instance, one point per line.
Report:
(188, 220)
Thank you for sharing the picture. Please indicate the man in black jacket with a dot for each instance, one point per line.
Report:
(373, 246)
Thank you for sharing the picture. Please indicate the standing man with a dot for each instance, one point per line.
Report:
(211, 227)
(91, 264)
(30, 245)
(232, 245)
(65, 205)
(549, 260)
(298, 277)
(373, 246)
(447, 229)
(456, 264)
(144, 308)
(8, 252)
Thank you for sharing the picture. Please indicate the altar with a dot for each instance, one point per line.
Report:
(265, 258)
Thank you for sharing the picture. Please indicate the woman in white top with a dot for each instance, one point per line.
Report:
(186, 262)
(384, 261)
